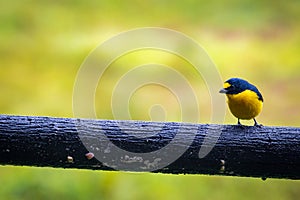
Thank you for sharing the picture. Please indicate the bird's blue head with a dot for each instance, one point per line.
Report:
(237, 85)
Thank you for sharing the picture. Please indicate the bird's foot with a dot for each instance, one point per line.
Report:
(257, 124)
(240, 125)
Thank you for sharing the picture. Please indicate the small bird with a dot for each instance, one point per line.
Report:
(244, 99)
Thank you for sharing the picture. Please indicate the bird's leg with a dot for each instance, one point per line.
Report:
(239, 123)
(256, 124)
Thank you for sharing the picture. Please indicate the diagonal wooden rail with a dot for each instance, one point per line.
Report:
(85, 144)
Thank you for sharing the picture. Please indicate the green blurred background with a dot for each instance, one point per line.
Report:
(43, 44)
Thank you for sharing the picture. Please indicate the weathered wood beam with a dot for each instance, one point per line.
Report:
(164, 147)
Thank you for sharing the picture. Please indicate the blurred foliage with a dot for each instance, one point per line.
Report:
(43, 43)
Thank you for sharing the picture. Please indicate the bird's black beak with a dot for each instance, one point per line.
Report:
(223, 91)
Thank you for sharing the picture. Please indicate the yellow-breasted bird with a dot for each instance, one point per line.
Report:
(244, 99)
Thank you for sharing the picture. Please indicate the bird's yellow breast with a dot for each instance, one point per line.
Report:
(244, 105)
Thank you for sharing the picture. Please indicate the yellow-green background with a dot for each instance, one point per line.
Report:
(43, 43)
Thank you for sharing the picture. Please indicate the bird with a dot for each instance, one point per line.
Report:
(244, 99)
